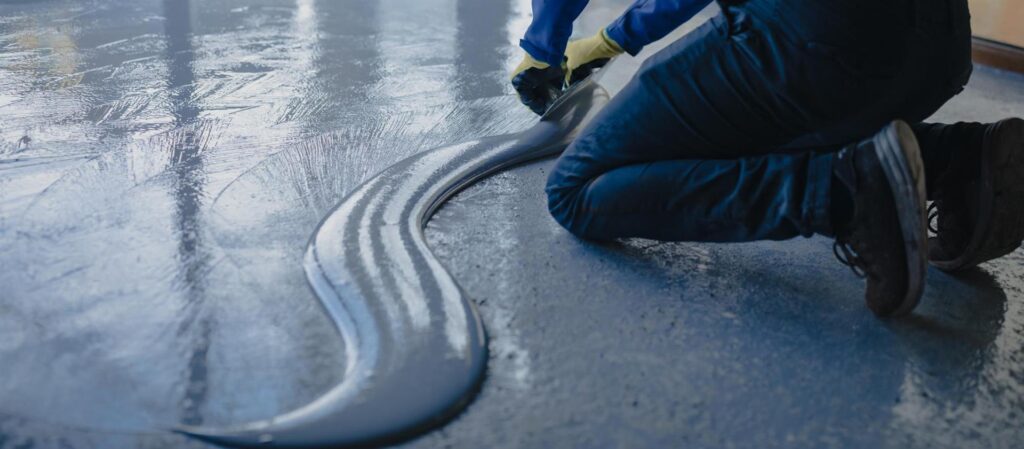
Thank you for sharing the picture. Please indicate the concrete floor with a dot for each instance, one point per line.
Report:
(648, 344)
(163, 163)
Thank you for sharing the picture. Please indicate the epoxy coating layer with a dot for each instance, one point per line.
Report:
(162, 167)
(159, 184)
(415, 344)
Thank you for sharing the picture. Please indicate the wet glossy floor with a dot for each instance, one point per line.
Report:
(162, 165)
(647, 344)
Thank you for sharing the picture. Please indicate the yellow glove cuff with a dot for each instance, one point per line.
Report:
(584, 51)
(612, 45)
(593, 48)
(528, 63)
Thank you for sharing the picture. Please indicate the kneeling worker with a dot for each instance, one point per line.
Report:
(785, 118)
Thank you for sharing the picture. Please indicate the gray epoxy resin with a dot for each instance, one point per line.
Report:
(415, 347)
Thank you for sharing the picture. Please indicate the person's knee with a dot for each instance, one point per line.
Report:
(572, 198)
(563, 195)
(567, 195)
(576, 205)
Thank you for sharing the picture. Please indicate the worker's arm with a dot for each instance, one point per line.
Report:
(537, 77)
(649, 20)
(645, 21)
(550, 29)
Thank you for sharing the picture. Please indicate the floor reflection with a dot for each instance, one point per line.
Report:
(189, 181)
(163, 163)
(481, 46)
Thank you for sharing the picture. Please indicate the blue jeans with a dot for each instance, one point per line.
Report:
(729, 133)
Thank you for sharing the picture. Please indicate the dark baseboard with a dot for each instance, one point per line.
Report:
(998, 54)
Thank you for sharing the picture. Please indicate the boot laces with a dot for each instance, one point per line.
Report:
(933, 217)
(847, 256)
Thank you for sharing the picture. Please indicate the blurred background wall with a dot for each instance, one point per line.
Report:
(998, 27)
(999, 20)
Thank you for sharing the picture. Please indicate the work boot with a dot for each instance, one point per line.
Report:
(885, 239)
(978, 212)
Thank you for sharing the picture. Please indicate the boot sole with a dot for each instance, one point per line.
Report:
(900, 156)
(999, 229)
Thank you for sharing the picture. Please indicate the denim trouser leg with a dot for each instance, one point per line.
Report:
(685, 152)
(726, 135)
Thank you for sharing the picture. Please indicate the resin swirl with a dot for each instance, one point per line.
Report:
(416, 348)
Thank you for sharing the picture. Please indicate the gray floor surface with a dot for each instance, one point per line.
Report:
(162, 165)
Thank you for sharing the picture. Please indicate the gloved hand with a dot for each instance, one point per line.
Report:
(583, 56)
(538, 83)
